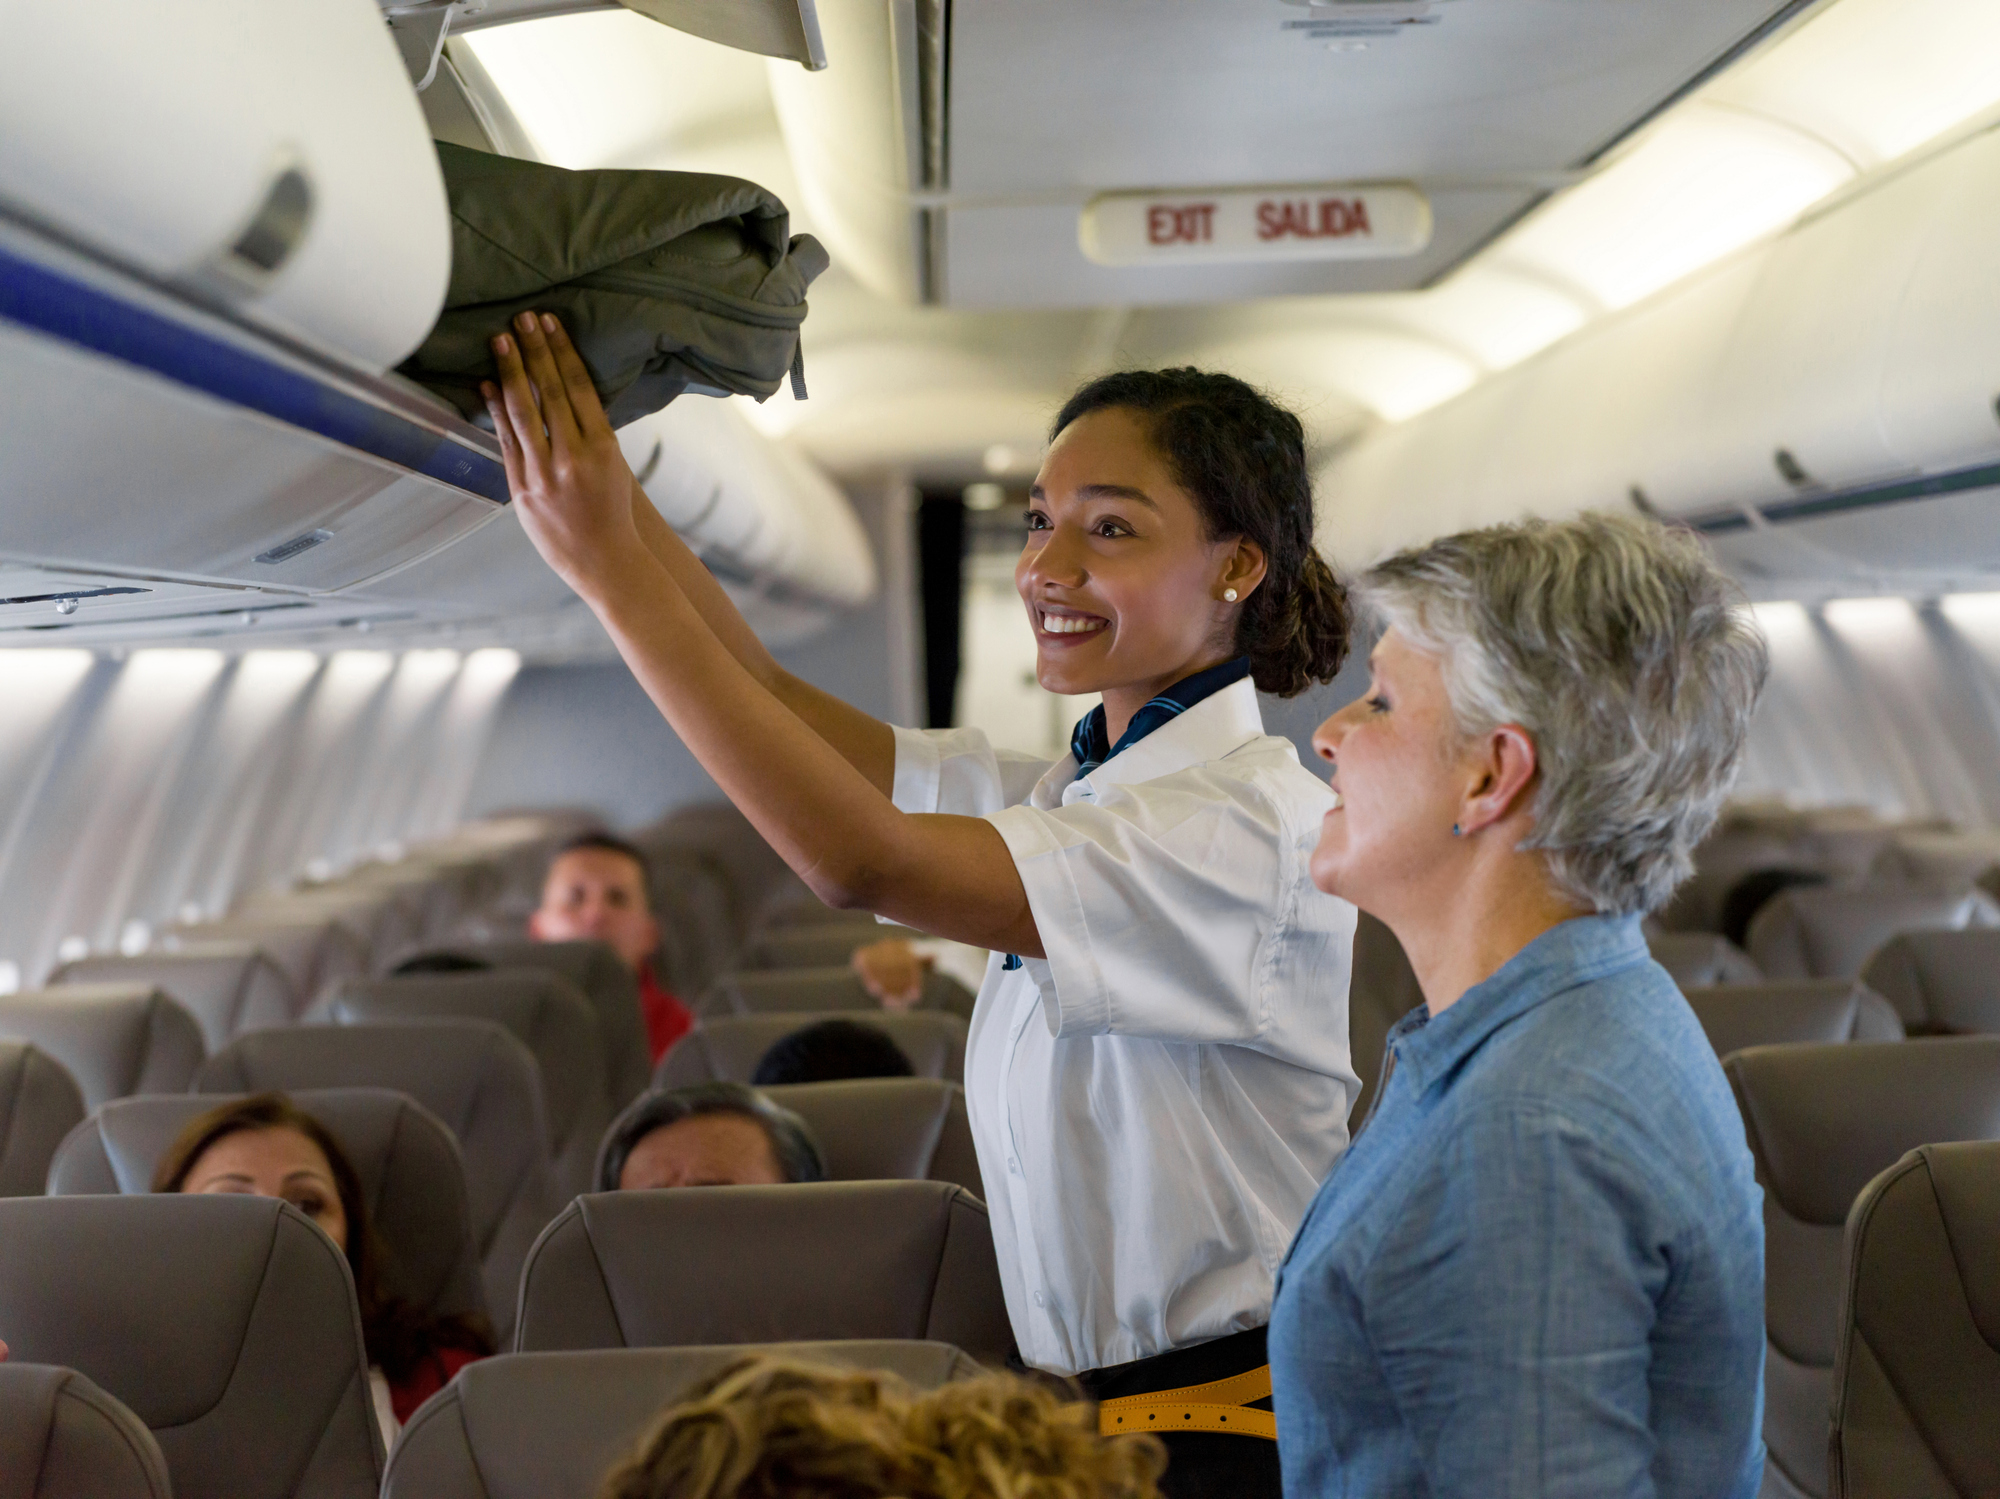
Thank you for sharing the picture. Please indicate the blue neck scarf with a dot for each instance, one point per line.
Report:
(1089, 741)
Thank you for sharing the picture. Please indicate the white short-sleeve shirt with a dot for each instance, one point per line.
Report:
(1156, 1102)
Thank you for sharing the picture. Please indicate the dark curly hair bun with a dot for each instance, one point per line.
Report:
(1242, 457)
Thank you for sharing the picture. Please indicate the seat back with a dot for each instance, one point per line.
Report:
(227, 986)
(1828, 931)
(1822, 1122)
(810, 1262)
(730, 1046)
(39, 1104)
(412, 1179)
(115, 1039)
(313, 953)
(1941, 981)
(472, 1075)
(595, 971)
(542, 1424)
(1916, 1381)
(888, 1129)
(1701, 958)
(378, 917)
(227, 1324)
(814, 991)
(1824, 1010)
(540, 1010)
(819, 945)
(61, 1437)
(1383, 989)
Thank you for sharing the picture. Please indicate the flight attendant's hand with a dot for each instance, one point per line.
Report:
(892, 971)
(571, 485)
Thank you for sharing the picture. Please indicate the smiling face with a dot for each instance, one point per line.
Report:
(1122, 582)
(276, 1162)
(1402, 779)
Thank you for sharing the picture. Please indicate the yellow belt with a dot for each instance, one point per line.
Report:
(1220, 1406)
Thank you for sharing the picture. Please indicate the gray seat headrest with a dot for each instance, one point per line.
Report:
(378, 917)
(730, 1047)
(226, 1323)
(605, 982)
(412, 1178)
(227, 986)
(1941, 981)
(1825, 1010)
(888, 1129)
(541, 1424)
(809, 1262)
(827, 944)
(115, 1039)
(1917, 1371)
(1827, 931)
(39, 1104)
(61, 1437)
(1822, 1122)
(812, 991)
(471, 1074)
(313, 953)
(1701, 958)
(540, 1010)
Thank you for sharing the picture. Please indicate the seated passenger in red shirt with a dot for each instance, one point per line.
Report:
(597, 890)
(266, 1146)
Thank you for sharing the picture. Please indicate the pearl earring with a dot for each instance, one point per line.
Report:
(1229, 595)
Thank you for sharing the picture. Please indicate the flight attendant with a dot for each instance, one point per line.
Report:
(1157, 1074)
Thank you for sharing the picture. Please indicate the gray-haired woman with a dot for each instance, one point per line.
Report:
(1539, 1270)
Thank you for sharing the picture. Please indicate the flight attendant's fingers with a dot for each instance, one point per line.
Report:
(503, 428)
(582, 390)
(518, 405)
(557, 414)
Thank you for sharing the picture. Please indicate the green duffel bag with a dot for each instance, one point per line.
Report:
(666, 281)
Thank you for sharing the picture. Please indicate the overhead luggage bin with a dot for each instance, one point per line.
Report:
(270, 159)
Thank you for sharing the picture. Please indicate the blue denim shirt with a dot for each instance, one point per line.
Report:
(1540, 1269)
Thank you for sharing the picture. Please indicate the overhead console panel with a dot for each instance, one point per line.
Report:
(962, 154)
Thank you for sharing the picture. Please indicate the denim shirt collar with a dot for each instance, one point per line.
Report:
(1567, 955)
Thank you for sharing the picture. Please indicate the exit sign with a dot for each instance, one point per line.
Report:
(1373, 221)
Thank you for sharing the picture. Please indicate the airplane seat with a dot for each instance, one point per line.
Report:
(1702, 958)
(729, 1048)
(537, 1424)
(815, 945)
(775, 991)
(39, 1104)
(888, 1129)
(1736, 1016)
(1940, 859)
(815, 1261)
(226, 1323)
(1720, 862)
(227, 986)
(1916, 1380)
(1942, 982)
(1822, 1122)
(472, 1075)
(541, 1010)
(412, 1179)
(312, 953)
(592, 968)
(382, 921)
(699, 919)
(1382, 990)
(61, 1437)
(1813, 932)
(114, 1039)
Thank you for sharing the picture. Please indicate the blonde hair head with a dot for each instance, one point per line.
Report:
(762, 1428)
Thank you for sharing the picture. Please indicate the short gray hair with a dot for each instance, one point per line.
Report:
(1625, 653)
(792, 1143)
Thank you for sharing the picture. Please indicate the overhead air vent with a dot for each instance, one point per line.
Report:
(284, 551)
(1338, 20)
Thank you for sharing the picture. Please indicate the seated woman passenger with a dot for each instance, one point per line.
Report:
(830, 1051)
(762, 1428)
(266, 1146)
(709, 1135)
(1539, 1269)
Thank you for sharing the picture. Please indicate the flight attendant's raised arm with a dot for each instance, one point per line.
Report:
(826, 814)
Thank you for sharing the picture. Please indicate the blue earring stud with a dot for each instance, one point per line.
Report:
(1455, 832)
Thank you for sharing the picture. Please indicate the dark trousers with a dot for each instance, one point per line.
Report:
(1201, 1464)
